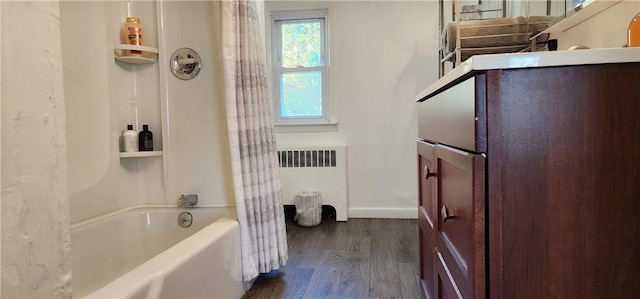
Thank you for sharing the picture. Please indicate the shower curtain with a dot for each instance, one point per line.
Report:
(252, 141)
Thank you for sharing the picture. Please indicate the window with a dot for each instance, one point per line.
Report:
(300, 64)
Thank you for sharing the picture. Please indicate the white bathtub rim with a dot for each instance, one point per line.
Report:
(139, 207)
(156, 268)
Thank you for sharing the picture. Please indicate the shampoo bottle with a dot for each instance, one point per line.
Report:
(130, 139)
(145, 139)
(133, 35)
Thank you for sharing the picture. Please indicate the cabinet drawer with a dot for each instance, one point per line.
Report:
(461, 224)
(427, 255)
(426, 180)
(457, 116)
(447, 287)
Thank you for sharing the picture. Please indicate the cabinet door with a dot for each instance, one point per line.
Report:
(426, 180)
(426, 217)
(460, 226)
(427, 259)
(447, 288)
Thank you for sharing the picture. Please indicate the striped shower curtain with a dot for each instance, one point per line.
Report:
(252, 141)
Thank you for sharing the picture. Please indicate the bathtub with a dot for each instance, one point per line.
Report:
(144, 253)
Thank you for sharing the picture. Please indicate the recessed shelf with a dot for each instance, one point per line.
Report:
(135, 60)
(140, 154)
(149, 54)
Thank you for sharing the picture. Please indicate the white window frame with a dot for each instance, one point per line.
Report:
(277, 19)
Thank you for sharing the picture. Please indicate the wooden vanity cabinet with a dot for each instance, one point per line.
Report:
(451, 221)
(426, 217)
(530, 184)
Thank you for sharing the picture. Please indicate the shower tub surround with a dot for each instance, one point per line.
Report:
(143, 252)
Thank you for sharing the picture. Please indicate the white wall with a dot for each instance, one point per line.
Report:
(36, 244)
(382, 54)
(186, 117)
(197, 154)
(607, 29)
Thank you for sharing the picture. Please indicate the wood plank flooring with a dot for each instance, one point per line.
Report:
(360, 258)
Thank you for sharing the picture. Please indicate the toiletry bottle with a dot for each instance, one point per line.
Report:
(133, 35)
(633, 33)
(145, 140)
(130, 139)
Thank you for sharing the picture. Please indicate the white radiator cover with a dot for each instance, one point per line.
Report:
(322, 169)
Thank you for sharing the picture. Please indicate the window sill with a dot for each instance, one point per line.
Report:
(306, 127)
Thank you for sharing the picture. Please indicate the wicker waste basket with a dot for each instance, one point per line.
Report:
(308, 208)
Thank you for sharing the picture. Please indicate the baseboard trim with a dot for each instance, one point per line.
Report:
(395, 213)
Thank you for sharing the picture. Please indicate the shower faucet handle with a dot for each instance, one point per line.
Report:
(188, 200)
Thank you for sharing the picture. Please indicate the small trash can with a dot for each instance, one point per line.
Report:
(308, 208)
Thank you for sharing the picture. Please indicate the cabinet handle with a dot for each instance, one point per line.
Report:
(428, 173)
(446, 213)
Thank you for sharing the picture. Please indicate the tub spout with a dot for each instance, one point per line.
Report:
(188, 200)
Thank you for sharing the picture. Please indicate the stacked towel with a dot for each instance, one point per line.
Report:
(493, 32)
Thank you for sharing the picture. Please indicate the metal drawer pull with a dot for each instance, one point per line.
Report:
(428, 173)
(446, 213)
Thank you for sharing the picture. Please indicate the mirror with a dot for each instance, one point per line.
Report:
(572, 12)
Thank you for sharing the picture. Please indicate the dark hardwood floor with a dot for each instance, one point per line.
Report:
(360, 258)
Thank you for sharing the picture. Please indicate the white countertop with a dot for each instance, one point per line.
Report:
(532, 59)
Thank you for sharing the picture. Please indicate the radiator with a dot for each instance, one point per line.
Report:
(322, 169)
